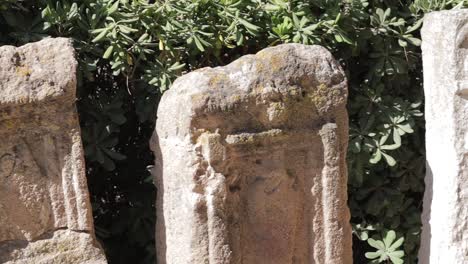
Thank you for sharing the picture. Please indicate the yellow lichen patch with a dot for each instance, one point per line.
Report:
(199, 98)
(294, 90)
(8, 123)
(23, 71)
(218, 79)
(277, 106)
(319, 96)
(337, 95)
(44, 248)
(268, 61)
(275, 62)
(235, 98)
(64, 246)
(276, 112)
(259, 66)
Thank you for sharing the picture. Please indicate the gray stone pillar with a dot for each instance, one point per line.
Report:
(250, 162)
(45, 213)
(445, 216)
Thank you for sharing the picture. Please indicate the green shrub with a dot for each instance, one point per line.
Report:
(131, 51)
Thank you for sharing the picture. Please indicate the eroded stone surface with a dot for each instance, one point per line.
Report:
(58, 247)
(43, 192)
(250, 162)
(445, 61)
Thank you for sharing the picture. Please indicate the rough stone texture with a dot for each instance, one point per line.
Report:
(45, 213)
(250, 162)
(445, 61)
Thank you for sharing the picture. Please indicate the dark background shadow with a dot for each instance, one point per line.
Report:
(160, 235)
(425, 247)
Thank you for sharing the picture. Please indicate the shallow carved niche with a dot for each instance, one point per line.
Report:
(45, 213)
(462, 53)
(250, 162)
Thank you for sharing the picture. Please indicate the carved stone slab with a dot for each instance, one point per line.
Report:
(445, 63)
(250, 162)
(45, 213)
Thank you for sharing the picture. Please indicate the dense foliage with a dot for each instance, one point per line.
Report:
(129, 52)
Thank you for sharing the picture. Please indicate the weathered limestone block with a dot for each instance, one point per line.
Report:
(250, 162)
(45, 213)
(445, 63)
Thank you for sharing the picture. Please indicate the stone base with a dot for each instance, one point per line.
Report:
(61, 246)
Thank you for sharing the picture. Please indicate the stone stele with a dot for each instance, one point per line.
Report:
(45, 213)
(445, 63)
(250, 162)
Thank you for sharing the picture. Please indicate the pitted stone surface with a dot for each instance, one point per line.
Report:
(250, 162)
(445, 63)
(44, 198)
